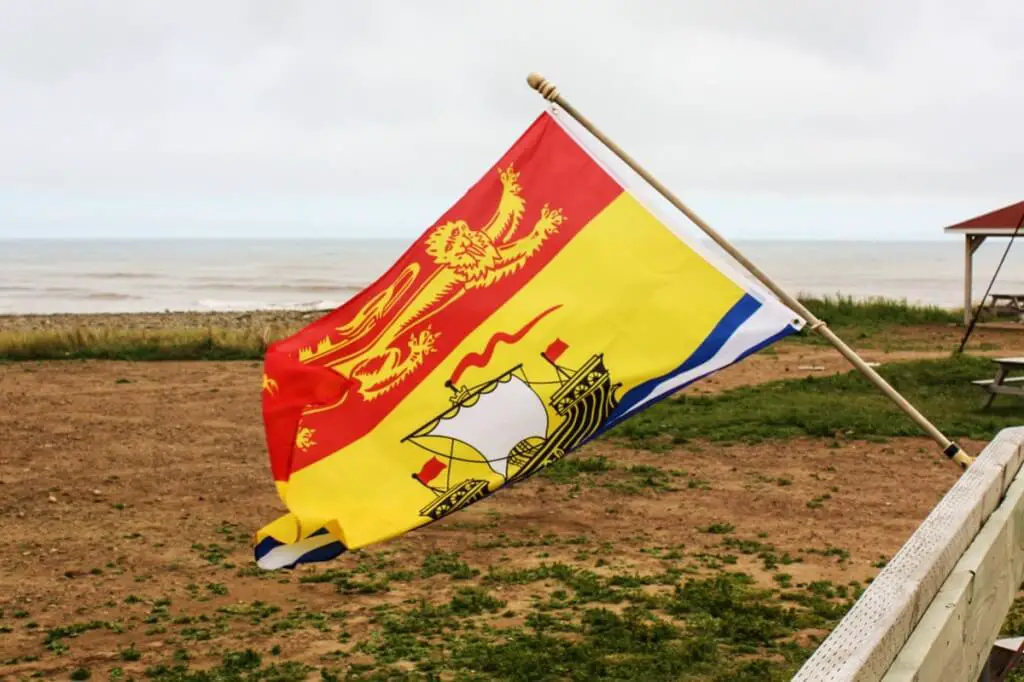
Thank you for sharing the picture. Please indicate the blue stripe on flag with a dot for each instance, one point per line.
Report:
(265, 545)
(325, 553)
(322, 553)
(742, 311)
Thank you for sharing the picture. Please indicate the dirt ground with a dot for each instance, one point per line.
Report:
(130, 490)
(129, 494)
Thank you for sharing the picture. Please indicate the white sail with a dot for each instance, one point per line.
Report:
(497, 422)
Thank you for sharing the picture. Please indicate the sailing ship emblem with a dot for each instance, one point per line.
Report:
(504, 423)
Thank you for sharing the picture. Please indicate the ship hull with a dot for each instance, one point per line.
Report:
(465, 493)
(586, 402)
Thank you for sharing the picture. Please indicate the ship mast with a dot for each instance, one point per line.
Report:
(563, 373)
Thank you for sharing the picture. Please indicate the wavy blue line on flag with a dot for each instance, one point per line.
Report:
(747, 328)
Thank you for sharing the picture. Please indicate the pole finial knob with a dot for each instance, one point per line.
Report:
(541, 84)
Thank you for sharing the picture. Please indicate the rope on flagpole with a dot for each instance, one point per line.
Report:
(952, 451)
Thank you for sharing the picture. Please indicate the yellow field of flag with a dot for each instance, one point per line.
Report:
(546, 306)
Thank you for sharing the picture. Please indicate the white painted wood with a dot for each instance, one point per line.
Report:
(1003, 389)
(871, 636)
(960, 627)
(968, 278)
(1009, 643)
(989, 382)
(945, 635)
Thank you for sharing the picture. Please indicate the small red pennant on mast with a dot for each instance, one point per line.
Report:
(555, 350)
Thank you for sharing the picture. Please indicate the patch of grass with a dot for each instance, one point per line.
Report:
(642, 479)
(348, 582)
(449, 563)
(217, 588)
(875, 322)
(722, 615)
(843, 406)
(130, 654)
(845, 311)
(770, 559)
(818, 502)
(137, 344)
(1014, 623)
(553, 621)
(234, 667)
(213, 553)
(588, 585)
(716, 628)
(55, 637)
(568, 469)
(255, 612)
(854, 318)
(842, 555)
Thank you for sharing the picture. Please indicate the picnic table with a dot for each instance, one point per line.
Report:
(1006, 303)
(1002, 383)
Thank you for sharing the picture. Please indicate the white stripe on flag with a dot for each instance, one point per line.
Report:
(764, 324)
(286, 555)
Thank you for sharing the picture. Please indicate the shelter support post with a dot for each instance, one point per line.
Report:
(971, 244)
(953, 451)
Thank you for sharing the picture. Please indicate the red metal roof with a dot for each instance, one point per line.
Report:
(1001, 220)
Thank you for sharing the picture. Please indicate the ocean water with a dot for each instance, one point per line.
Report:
(81, 276)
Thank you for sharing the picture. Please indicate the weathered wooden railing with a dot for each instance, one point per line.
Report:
(934, 612)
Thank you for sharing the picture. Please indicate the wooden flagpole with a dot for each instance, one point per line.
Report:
(953, 451)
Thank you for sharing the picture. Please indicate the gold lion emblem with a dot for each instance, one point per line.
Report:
(468, 258)
(304, 438)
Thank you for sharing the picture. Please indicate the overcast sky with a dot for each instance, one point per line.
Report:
(877, 119)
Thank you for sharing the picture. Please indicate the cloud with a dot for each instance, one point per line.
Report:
(796, 99)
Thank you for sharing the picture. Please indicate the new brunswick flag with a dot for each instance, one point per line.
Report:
(546, 306)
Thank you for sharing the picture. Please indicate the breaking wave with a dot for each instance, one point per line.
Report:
(236, 305)
(119, 275)
(324, 288)
(109, 296)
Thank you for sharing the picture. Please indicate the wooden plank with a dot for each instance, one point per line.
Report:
(943, 635)
(986, 382)
(1005, 390)
(867, 641)
(957, 632)
(969, 248)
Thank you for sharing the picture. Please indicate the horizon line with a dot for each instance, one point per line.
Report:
(269, 238)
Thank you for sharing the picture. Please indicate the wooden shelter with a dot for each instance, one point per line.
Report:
(1002, 222)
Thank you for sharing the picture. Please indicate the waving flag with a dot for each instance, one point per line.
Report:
(547, 305)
